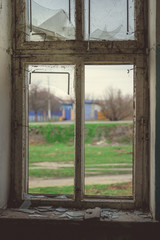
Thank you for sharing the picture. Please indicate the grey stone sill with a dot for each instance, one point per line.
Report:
(70, 215)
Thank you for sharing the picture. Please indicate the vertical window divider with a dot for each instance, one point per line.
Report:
(26, 164)
(127, 16)
(79, 133)
(30, 15)
(69, 3)
(79, 20)
(89, 18)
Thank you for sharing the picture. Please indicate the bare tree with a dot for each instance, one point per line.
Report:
(116, 106)
(38, 100)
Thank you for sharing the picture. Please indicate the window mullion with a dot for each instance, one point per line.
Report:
(79, 133)
(79, 20)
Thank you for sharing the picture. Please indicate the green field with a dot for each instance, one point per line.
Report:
(93, 154)
(123, 189)
(112, 157)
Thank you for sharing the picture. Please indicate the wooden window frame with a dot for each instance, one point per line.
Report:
(80, 52)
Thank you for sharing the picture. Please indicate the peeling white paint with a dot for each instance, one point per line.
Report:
(5, 99)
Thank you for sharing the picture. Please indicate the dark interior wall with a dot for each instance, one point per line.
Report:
(66, 230)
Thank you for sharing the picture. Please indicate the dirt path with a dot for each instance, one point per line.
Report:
(40, 182)
(56, 165)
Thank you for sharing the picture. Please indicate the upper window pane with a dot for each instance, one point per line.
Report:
(109, 20)
(50, 20)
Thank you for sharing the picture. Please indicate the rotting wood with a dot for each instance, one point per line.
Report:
(79, 132)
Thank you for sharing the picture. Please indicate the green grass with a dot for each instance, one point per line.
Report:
(109, 166)
(59, 148)
(108, 154)
(51, 153)
(95, 157)
(49, 173)
(52, 190)
(69, 172)
(54, 133)
(93, 154)
(120, 189)
(64, 133)
(107, 172)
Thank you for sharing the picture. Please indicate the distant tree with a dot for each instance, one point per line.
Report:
(38, 100)
(116, 106)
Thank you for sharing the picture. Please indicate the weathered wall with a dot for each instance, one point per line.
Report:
(5, 98)
(157, 144)
(154, 77)
(76, 230)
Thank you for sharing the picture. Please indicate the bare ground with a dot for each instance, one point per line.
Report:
(42, 182)
(50, 182)
(55, 165)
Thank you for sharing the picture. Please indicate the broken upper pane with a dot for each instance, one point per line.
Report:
(109, 20)
(50, 20)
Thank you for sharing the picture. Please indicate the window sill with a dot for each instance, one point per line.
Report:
(106, 216)
(128, 225)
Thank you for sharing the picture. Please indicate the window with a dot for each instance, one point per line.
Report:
(65, 68)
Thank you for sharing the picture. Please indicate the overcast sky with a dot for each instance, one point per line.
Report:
(98, 78)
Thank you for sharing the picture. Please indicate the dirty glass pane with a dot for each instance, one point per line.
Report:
(51, 129)
(108, 130)
(50, 20)
(109, 20)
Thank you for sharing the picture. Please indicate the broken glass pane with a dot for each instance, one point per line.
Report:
(51, 115)
(50, 20)
(109, 20)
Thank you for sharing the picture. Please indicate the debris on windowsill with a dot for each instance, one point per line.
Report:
(97, 214)
(44, 208)
(61, 197)
(26, 204)
(29, 211)
(37, 216)
(61, 209)
(111, 213)
(30, 196)
(92, 213)
(54, 213)
(73, 215)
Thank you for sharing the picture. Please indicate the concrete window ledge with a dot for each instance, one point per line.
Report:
(61, 214)
(121, 225)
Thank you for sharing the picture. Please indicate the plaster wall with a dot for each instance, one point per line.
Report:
(157, 144)
(152, 78)
(5, 98)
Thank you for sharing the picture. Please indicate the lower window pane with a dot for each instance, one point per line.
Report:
(108, 130)
(51, 129)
